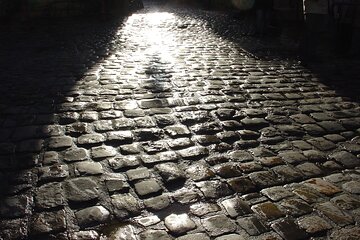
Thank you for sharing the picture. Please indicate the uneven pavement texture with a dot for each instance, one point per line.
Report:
(162, 126)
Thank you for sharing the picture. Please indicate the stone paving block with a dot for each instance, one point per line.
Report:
(252, 225)
(242, 185)
(264, 179)
(322, 186)
(125, 136)
(14, 228)
(288, 230)
(177, 131)
(218, 225)
(103, 152)
(92, 216)
(236, 207)
(296, 206)
(148, 221)
(214, 189)
(268, 210)
(335, 214)
(352, 187)
(147, 187)
(76, 154)
(199, 171)
(81, 189)
(179, 224)
(292, 157)
(309, 169)
(201, 209)
(322, 144)
(314, 155)
(138, 173)
(232, 236)
(346, 234)
(154, 234)
(93, 138)
(314, 224)
(50, 195)
(157, 203)
(276, 193)
(194, 236)
(88, 168)
(345, 158)
(193, 152)
(15, 206)
(121, 162)
(228, 170)
(46, 222)
(90, 235)
(307, 193)
(125, 205)
(53, 173)
(170, 172)
(240, 156)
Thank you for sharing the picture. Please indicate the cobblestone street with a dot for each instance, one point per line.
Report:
(171, 124)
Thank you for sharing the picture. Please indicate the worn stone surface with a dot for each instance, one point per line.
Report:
(129, 125)
(179, 224)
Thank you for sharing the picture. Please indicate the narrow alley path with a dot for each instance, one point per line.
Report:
(168, 125)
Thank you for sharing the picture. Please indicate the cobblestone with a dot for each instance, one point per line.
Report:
(172, 123)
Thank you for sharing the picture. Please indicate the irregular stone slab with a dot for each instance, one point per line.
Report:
(201, 209)
(154, 235)
(103, 152)
(170, 172)
(54, 172)
(127, 232)
(88, 168)
(276, 193)
(230, 237)
(124, 205)
(296, 207)
(252, 225)
(60, 142)
(92, 216)
(242, 185)
(322, 186)
(157, 203)
(352, 187)
(46, 222)
(214, 189)
(346, 234)
(193, 152)
(287, 229)
(179, 224)
(236, 207)
(268, 210)
(138, 173)
(148, 221)
(50, 195)
(81, 189)
(76, 154)
(345, 158)
(346, 201)
(218, 225)
(93, 138)
(335, 214)
(199, 171)
(314, 224)
(84, 235)
(15, 206)
(194, 236)
(147, 187)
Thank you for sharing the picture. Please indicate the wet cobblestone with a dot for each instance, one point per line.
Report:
(167, 125)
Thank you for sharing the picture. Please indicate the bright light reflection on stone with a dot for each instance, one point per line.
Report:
(158, 41)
